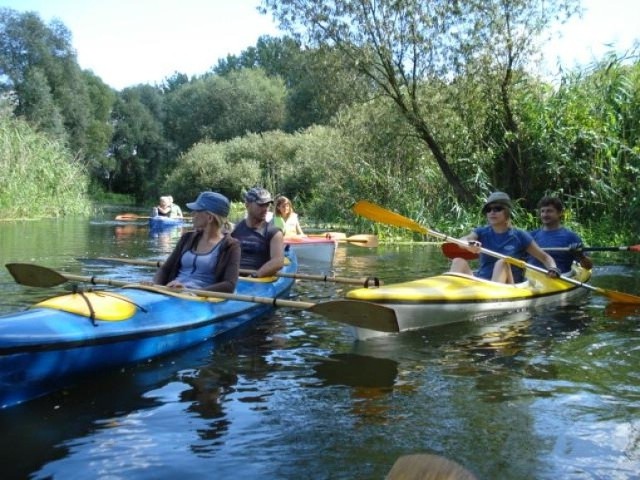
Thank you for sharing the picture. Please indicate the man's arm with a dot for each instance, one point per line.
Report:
(276, 250)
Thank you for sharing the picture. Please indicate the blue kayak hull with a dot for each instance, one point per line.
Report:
(43, 349)
(160, 223)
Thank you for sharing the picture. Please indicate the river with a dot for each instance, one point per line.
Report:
(541, 394)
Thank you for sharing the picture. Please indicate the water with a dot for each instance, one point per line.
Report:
(530, 395)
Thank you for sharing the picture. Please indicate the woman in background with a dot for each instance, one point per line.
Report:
(285, 218)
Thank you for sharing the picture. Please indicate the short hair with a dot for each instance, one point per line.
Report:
(555, 202)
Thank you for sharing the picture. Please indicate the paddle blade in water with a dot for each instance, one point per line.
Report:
(619, 297)
(35, 275)
(363, 240)
(359, 314)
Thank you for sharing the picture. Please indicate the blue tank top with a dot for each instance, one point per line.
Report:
(197, 269)
(255, 244)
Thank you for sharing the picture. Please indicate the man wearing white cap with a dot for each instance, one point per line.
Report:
(262, 244)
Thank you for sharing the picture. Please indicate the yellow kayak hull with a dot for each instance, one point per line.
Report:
(454, 297)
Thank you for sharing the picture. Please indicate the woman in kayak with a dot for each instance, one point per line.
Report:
(501, 237)
(206, 258)
(285, 218)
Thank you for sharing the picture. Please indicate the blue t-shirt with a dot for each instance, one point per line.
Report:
(512, 243)
(561, 237)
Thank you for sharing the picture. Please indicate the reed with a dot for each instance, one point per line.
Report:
(41, 178)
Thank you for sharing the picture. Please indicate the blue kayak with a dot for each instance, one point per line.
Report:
(159, 223)
(57, 341)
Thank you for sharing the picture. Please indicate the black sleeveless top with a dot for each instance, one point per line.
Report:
(254, 244)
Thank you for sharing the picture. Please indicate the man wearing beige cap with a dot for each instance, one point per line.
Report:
(262, 244)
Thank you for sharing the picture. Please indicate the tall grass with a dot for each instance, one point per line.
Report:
(39, 177)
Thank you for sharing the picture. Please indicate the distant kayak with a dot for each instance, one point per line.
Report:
(159, 222)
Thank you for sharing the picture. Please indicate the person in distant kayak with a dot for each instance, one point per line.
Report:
(554, 234)
(285, 218)
(501, 237)
(262, 244)
(206, 258)
(166, 208)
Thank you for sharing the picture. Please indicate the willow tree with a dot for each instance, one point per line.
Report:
(402, 45)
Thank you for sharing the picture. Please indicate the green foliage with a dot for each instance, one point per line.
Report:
(38, 66)
(208, 166)
(40, 176)
(318, 85)
(221, 108)
(139, 152)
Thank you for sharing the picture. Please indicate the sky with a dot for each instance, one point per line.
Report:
(127, 42)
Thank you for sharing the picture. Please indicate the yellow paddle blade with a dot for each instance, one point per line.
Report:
(618, 297)
(378, 214)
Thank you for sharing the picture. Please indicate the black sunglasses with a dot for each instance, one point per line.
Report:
(493, 208)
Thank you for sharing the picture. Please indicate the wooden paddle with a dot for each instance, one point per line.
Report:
(379, 214)
(131, 216)
(351, 312)
(361, 240)
(364, 282)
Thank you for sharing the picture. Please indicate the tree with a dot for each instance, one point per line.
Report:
(398, 46)
(39, 66)
(317, 84)
(138, 147)
(223, 107)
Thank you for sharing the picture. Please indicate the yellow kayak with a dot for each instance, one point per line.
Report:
(454, 297)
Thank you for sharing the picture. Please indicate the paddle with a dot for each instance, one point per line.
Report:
(365, 282)
(379, 214)
(361, 240)
(134, 216)
(131, 216)
(452, 250)
(630, 248)
(351, 312)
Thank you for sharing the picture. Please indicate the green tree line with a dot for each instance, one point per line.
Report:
(422, 107)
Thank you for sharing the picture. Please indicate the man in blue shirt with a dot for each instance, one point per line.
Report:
(554, 234)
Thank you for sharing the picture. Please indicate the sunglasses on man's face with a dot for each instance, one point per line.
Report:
(493, 208)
